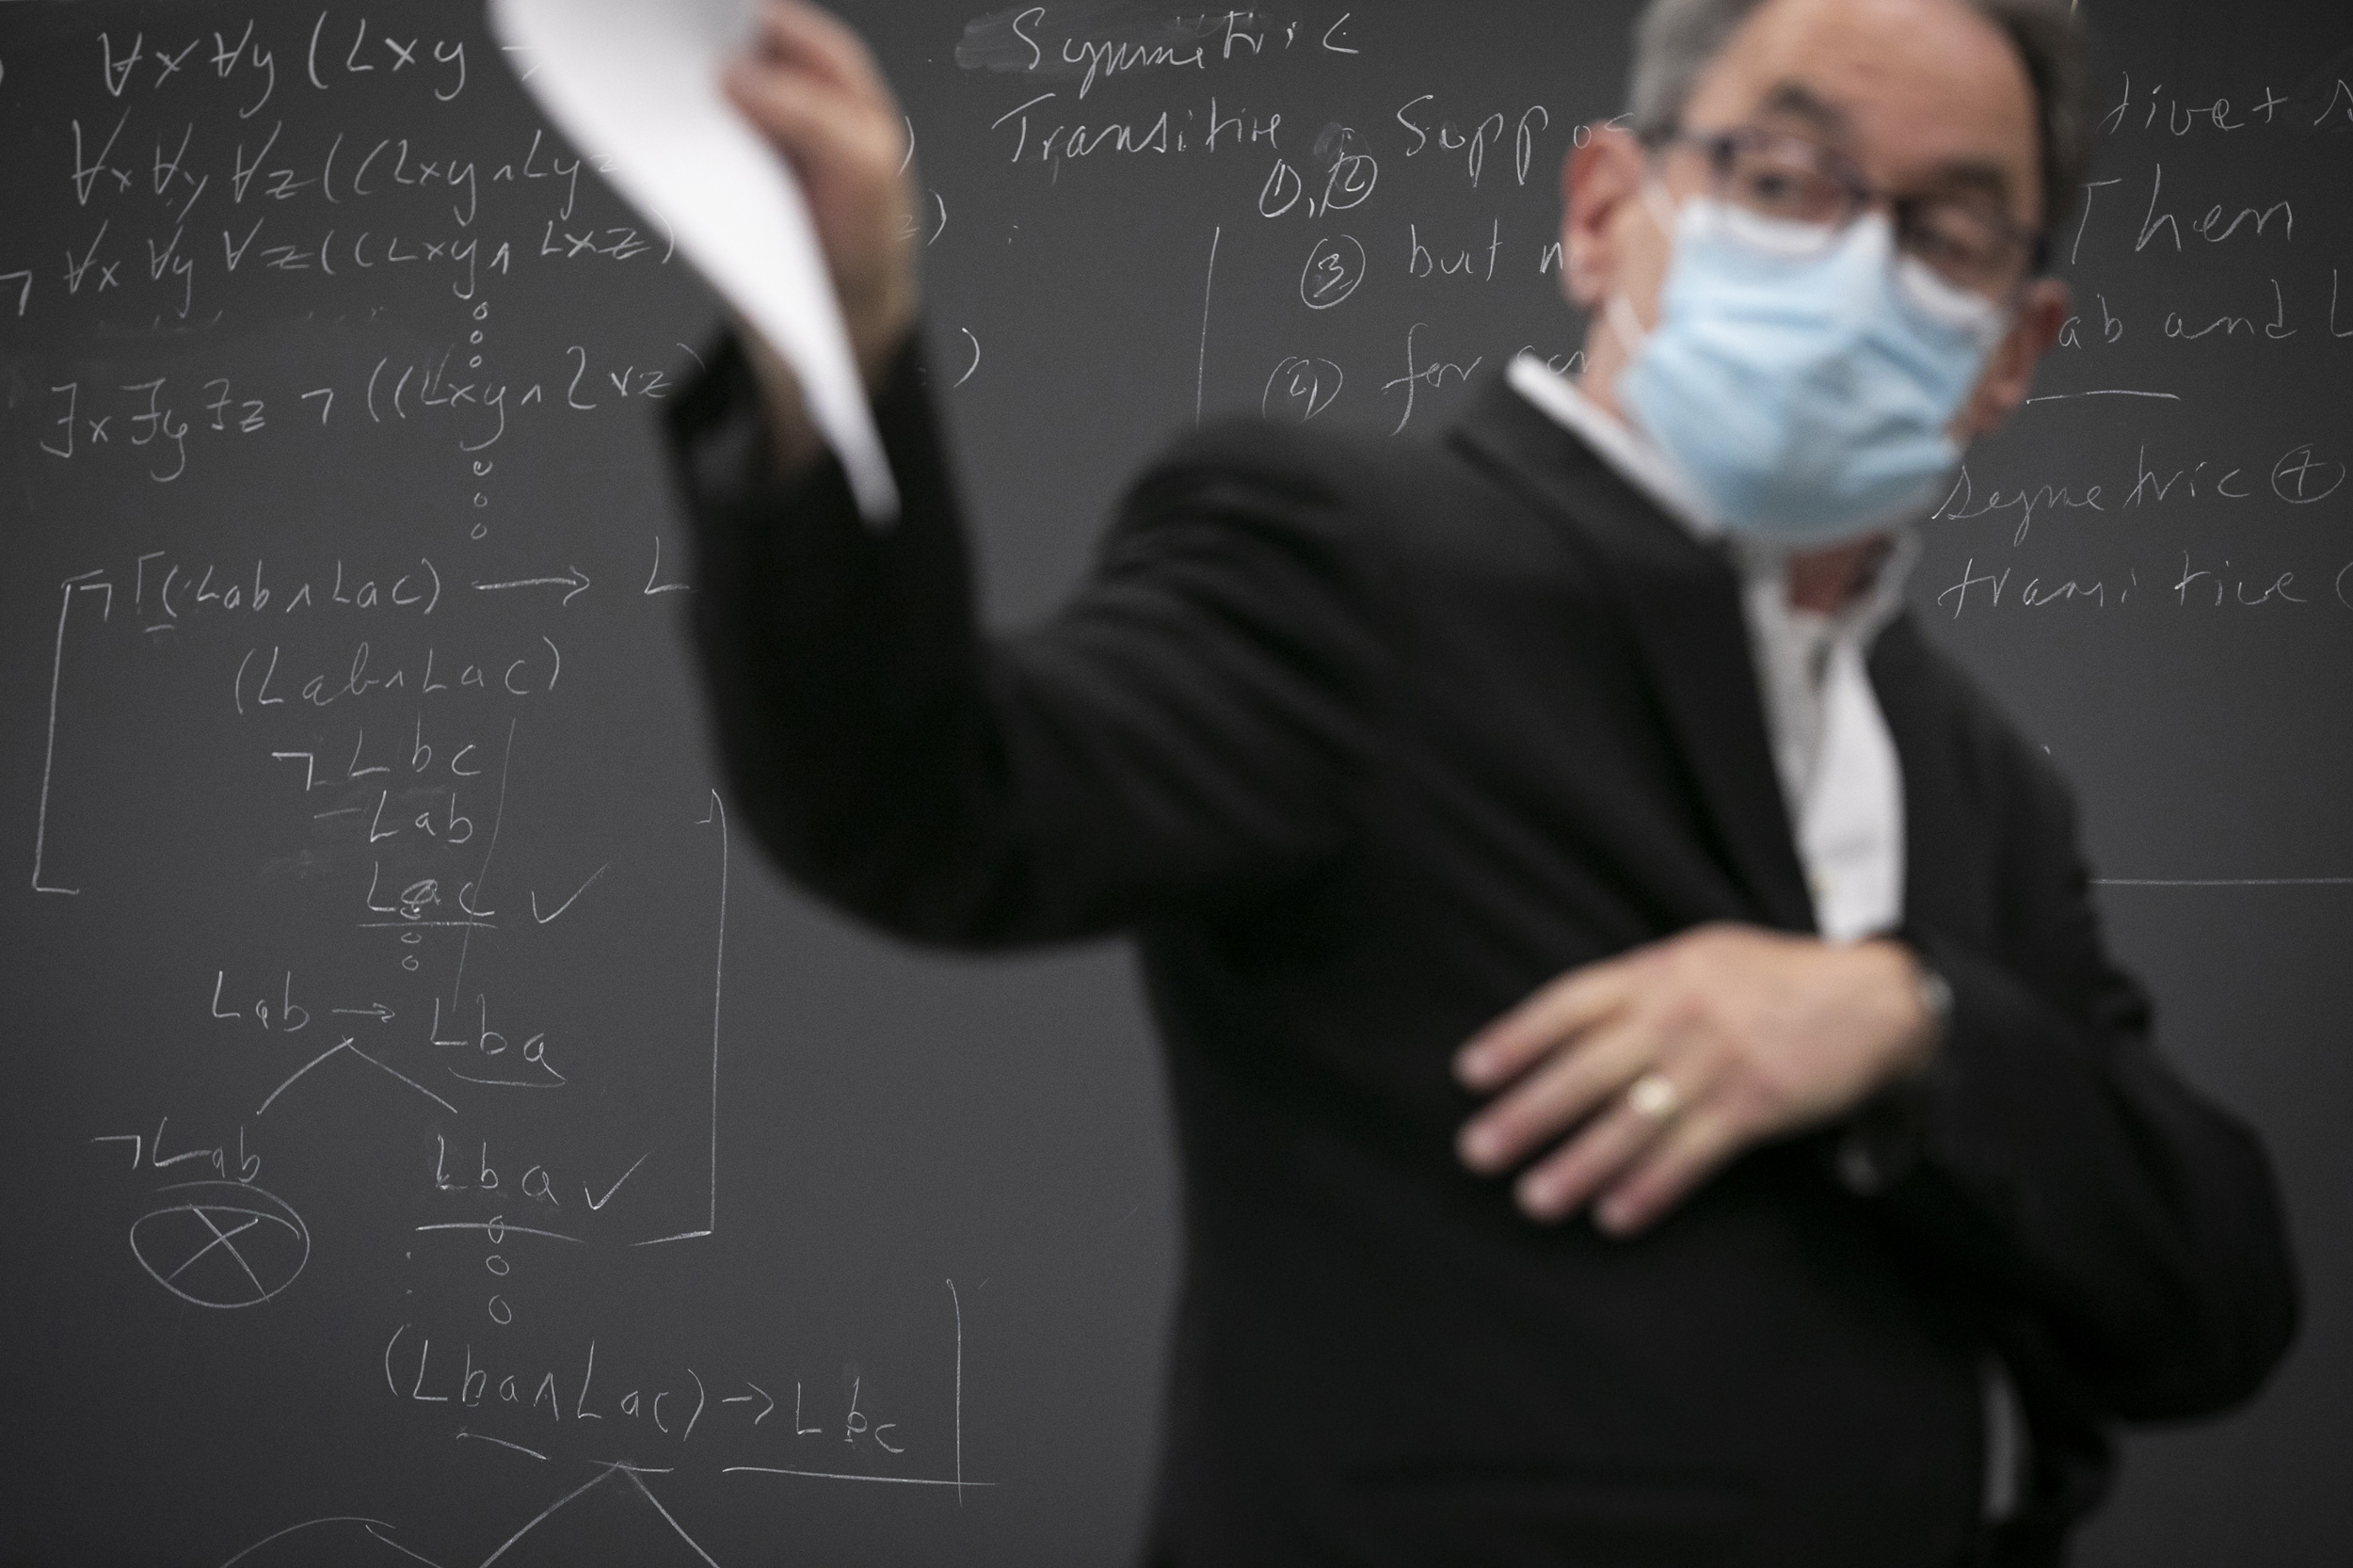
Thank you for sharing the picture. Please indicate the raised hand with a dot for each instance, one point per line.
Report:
(809, 85)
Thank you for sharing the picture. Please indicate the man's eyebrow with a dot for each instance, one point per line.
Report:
(1799, 101)
(1971, 175)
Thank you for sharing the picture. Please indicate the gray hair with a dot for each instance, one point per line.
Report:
(1674, 41)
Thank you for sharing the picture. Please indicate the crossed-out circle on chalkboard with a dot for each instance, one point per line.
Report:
(223, 1244)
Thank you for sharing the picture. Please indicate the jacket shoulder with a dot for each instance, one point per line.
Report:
(1322, 466)
(1417, 503)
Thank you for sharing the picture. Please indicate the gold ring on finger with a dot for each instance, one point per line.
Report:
(1654, 1098)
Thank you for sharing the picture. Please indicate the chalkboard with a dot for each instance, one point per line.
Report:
(439, 1135)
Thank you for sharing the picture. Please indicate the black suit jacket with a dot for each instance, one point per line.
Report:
(1364, 740)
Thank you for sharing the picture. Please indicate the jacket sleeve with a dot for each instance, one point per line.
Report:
(2133, 1226)
(1192, 725)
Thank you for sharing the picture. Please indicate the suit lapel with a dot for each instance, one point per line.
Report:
(1943, 834)
(1682, 600)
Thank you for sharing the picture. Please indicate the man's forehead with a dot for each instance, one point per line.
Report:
(1915, 89)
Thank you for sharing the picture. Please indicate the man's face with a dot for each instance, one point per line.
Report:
(1925, 97)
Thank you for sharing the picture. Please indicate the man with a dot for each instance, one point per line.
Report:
(1848, 1202)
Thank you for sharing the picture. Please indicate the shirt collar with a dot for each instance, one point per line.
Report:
(1627, 452)
(1633, 458)
(1764, 585)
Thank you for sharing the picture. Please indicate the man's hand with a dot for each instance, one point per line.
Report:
(1665, 1063)
(807, 84)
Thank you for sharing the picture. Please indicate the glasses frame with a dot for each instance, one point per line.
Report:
(1718, 147)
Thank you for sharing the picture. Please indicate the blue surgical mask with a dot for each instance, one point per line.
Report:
(1802, 382)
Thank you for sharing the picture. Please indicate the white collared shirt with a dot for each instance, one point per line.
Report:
(1841, 779)
(1842, 783)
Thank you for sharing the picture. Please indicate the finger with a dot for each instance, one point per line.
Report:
(791, 31)
(1685, 1155)
(1557, 1186)
(815, 125)
(1558, 1094)
(1576, 1002)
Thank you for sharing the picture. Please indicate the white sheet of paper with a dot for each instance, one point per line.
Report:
(635, 85)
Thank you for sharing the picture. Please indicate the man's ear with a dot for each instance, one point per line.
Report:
(1596, 182)
(2042, 315)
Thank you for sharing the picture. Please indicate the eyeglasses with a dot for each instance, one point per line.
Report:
(1969, 241)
